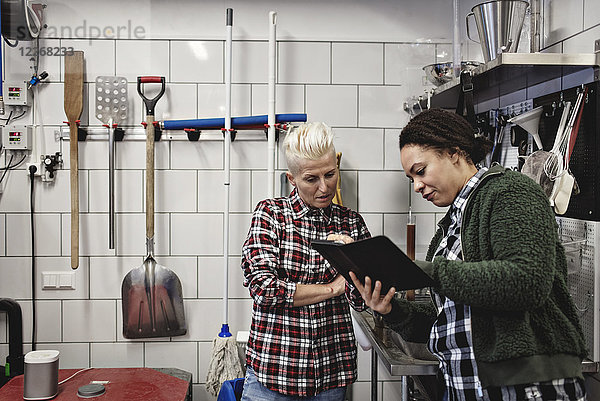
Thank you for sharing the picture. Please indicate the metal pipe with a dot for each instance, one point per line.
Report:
(271, 105)
(534, 28)
(456, 58)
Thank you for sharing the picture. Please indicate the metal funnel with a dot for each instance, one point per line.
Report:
(499, 25)
(530, 122)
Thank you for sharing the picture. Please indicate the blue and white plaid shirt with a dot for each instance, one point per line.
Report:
(451, 342)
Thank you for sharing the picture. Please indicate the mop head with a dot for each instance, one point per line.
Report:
(224, 364)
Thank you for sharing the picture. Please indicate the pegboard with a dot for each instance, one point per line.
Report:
(585, 160)
(581, 240)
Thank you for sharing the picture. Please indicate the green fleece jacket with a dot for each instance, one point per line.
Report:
(524, 325)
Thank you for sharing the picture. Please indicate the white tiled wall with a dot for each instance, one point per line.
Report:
(353, 71)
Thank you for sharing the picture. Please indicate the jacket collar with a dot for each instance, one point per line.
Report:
(300, 209)
(495, 169)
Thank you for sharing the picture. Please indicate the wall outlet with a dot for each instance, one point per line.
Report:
(38, 171)
(58, 280)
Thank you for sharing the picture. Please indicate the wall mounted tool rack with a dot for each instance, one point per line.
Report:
(511, 72)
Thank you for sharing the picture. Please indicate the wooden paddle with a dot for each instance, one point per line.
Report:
(73, 109)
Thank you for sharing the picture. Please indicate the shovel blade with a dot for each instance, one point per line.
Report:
(152, 302)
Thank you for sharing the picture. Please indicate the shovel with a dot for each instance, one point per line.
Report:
(73, 108)
(152, 296)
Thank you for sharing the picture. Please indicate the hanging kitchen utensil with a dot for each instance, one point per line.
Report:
(73, 108)
(151, 293)
(563, 186)
(111, 108)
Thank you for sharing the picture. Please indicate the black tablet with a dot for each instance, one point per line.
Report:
(377, 257)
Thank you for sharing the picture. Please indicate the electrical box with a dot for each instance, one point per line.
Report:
(16, 137)
(16, 93)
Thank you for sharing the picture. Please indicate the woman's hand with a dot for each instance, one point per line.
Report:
(338, 285)
(343, 238)
(373, 298)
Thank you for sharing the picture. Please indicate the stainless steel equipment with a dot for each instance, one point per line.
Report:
(441, 73)
(499, 25)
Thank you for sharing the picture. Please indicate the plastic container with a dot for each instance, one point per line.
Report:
(41, 375)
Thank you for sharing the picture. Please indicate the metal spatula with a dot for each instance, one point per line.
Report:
(111, 109)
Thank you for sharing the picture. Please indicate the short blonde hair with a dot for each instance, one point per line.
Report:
(307, 141)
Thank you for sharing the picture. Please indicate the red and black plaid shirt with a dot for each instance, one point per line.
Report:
(299, 351)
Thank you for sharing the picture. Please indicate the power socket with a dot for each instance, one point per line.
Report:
(38, 171)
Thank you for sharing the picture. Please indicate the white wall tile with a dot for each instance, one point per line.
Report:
(260, 184)
(249, 62)
(136, 58)
(204, 356)
(392, 150)
(374, 222)
(238, 230)
(382, 191)
(99, 56)
(361, 148)
(304, 62)
(249, 154)
(2, 234)
(199, 155)
(174, 355)
(197, 234)
(175, 191)
(16, 277)
(210, 276)
(211, 191)
(196, 61)
(211, 100)
(51, 105)
(47, 234)
(89, 320)
(132, 155)
(92, 155)
(131, 234)
(93, 235)
(107, 273)
(404, 62)
(179, 103)
(48, 321)
(128, 191)
(71, 355)
(129, 355)
(288, 99)
(186, 269)
(583, 42)
(63, 264)
(561, 20)
(3, 332)
(381, 106)
(591, 11)
(204, 318)
(334, 105)
(18, 63)
(357, 63)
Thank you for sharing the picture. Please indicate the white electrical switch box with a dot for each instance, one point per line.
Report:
(58, 280)
(16, 93)
(16, 137)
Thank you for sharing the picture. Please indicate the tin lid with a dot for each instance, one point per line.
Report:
(90, 390)
(44, 356)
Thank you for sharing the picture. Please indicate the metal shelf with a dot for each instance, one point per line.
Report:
(511, 72)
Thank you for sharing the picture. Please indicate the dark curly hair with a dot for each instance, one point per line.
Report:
(445, 131)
